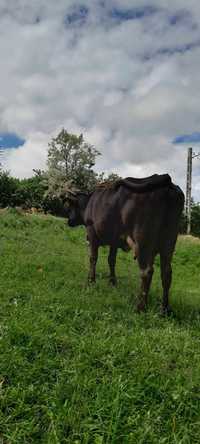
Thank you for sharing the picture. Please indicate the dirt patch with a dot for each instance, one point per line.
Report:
(189, 238)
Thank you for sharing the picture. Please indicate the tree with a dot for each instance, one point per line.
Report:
(25, 193)
(195, 222)
(8, 187)
(110, 178)
(70, 161)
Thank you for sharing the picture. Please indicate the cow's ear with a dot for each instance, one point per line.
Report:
(71, 199)
(66, 202)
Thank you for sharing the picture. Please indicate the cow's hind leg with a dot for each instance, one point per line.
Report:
(93, 261)
(112, 261)
(166, 276)
(146, 273)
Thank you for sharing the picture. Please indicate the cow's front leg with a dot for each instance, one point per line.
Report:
(112, 262)
(93, 260)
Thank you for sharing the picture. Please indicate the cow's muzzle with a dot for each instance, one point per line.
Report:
(71, 223)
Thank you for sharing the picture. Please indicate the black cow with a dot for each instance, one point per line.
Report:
(143, 214)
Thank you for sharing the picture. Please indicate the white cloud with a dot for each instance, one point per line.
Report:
(112, 81)
(31, 155)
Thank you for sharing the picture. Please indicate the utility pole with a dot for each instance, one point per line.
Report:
(2, 152)
(191, 155)
(188, 190)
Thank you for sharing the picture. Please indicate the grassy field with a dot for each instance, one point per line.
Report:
(77, 364)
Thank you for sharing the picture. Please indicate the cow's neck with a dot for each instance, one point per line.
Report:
(83, 201)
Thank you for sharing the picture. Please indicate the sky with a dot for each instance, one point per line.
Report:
(125, 73)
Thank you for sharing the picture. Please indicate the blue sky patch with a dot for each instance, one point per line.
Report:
(187, 138)
(179, 17)
(171, 51)
(10, 140)
(183, 17)
(180, 49)
(77, 15)
(121, 15)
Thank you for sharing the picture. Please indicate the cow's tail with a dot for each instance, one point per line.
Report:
(175, 205)
(174, 199)
(177, 197)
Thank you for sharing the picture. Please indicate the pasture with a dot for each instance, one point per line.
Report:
(78, 365)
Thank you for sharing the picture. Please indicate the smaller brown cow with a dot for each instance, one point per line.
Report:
(143, 213)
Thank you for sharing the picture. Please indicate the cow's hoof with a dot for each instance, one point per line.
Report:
(113, 281)
(141, 307)
(91, 282)
(166, 311)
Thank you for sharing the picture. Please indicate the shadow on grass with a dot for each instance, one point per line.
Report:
(184, 309)
(125, 296)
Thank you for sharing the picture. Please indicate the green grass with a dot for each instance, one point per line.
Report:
(77, 364)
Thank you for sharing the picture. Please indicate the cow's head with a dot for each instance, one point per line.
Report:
(76, 205)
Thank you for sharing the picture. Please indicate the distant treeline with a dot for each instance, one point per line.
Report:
(70, 164)
(25, 193)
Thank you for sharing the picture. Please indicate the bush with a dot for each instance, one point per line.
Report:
(183, 224)
(25, 193)
(195, 222)
(30, 192)
(8, 188)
